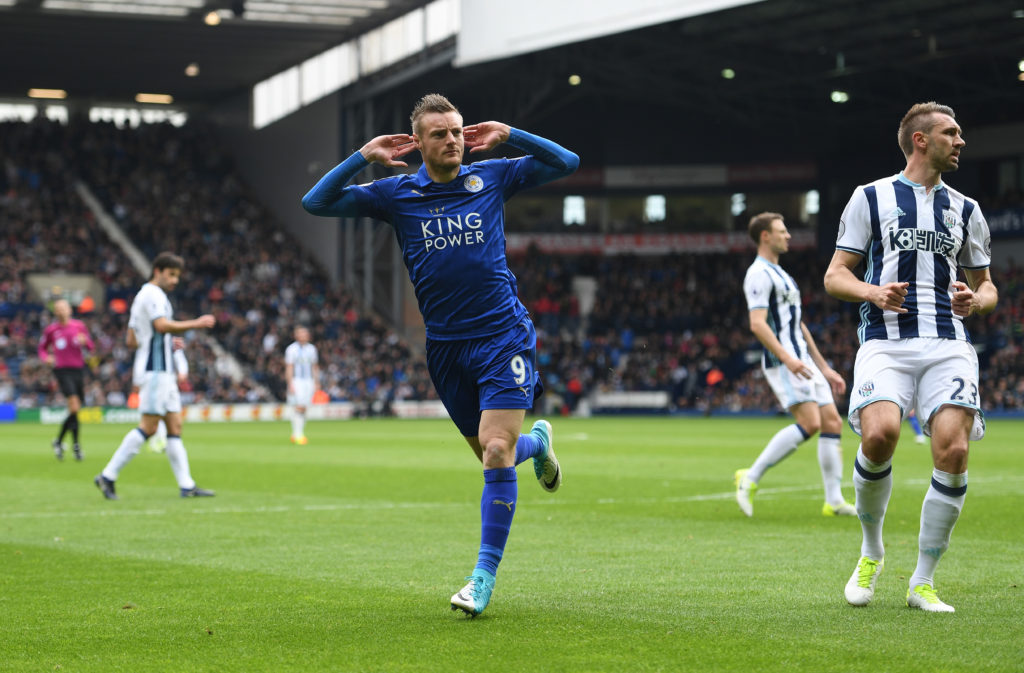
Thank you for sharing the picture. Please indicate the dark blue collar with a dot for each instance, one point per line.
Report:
(422, 178)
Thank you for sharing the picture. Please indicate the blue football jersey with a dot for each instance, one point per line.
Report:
(452, 235)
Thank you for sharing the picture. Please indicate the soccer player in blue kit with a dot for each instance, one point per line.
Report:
(481, 344)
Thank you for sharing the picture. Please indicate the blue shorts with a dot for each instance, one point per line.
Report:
(494, 372)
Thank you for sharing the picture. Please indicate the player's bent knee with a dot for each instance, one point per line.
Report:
(831, 421)
(811, 428)
(879, 438)
(832, 428)
(952, 458)
(497, 451)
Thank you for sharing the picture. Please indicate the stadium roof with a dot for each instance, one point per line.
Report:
(109, 50)
(660, 93)
(787, 58)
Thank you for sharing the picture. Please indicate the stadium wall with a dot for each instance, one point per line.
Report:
(283, 160)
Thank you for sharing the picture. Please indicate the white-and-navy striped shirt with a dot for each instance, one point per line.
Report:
(768, 286)
(301, 357)
(908, 235)
(154, 351)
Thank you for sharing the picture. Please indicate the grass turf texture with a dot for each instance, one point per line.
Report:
(342, 555)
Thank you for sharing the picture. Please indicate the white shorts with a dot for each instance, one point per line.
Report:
(158, 394)
(791, 389)
(303, 395)
(934, 372)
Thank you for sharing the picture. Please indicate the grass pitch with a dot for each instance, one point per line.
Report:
(342, 555)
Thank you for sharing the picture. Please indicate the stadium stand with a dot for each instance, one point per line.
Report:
(646, 323)
(170, 188)
(660, 323)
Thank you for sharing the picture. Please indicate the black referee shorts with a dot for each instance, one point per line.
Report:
(71, 381)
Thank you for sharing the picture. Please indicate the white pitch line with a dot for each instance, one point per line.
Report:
(338, 507)
(231, 510)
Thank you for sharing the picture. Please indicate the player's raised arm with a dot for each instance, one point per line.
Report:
(485, 135)
(387, 150)
(551, 160)
(331, 196)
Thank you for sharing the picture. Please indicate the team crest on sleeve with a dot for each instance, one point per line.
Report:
(473, 183)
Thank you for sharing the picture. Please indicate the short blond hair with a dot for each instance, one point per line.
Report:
(921, 117)
(432, 102)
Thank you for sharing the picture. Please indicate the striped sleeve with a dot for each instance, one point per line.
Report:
(855, 224)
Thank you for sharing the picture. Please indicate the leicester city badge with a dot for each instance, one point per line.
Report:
(473, 183)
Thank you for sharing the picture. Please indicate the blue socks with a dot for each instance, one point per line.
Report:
(498, 504)
(497, 507)
(528, 446)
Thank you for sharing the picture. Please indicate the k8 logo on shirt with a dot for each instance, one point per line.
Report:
(924, 240)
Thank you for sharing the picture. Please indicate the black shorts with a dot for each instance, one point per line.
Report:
(71, 381)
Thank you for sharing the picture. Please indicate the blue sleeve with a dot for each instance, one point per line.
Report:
(550, 162)
(330, 196)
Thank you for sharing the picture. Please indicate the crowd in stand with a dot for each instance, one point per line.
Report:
(679, 323)
(45, 228)
(673, 323)
(241, 265)
(172, 189)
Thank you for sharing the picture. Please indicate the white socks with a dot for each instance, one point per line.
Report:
(939, 512)
(779, 447)
(179, 462)
(872, 483)
(130, 446)
(786, 441)
(830, 459)
(298, 424)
